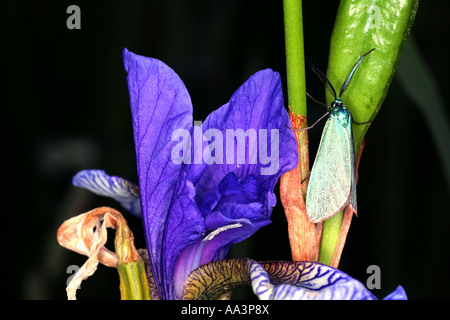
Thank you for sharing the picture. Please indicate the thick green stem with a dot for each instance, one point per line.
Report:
(133, 281)
(295, 60)
(130, 266)
(330, 236)
(304, 235)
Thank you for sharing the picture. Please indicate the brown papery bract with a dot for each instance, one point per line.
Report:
(304, 235)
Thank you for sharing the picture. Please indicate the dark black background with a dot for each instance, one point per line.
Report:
(65, 108)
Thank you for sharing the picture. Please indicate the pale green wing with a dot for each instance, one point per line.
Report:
(352, 158)
(330, 183)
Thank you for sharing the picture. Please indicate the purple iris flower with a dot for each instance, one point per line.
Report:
(201, 188)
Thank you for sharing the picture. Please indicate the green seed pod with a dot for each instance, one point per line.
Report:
(360, 26)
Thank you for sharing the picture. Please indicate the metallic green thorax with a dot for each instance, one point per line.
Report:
(339, 110)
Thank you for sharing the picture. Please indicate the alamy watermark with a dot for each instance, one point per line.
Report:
(72, 269)
(230, 146)
(74, 20)
(374, 19)
(374, 280)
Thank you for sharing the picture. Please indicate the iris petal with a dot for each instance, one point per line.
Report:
(212, 247)
(183, 227)
(160, 104)
(100, 183)
(398, 294)
(257, 105)
(315, 282)
(229, 191)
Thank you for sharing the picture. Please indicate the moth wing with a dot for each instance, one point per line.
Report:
(353, 171)
(330, 184)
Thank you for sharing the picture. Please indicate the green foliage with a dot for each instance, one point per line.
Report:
(420, 84)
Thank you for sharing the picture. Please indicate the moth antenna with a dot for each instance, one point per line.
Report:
(322, 77)
(352, 72)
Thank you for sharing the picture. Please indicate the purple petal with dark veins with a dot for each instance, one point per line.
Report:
(313, 281)
(255, 110)
(160, 104)
(212, 247)
(121, 190)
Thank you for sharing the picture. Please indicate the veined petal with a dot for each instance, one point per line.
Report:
(160, 105)
(309, 281)
(230, 215)
(276, 280)
(316, 282)
(121, 190)
(257, 110)
(214, 246)
(184, 226)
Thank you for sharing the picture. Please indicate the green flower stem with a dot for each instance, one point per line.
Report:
(130, 266)
(133, 281)
(330, 235)
(360, 26)
(295, 61)
(304, 235)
